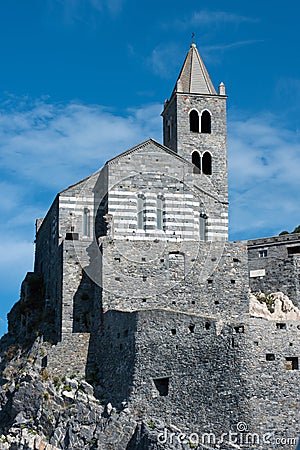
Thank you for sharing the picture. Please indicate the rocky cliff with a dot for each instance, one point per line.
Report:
(39, 411)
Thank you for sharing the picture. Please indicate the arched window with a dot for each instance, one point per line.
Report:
(205, 122)
(160, 212)
(194, 121)
(196, 160)
(86, 222)
(206, 163)
(140, 211)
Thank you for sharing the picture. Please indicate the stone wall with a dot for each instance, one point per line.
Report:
(195, 277)
(151, 172)
(272, 381)
(184, 141)
(274, 265)
(180, 368)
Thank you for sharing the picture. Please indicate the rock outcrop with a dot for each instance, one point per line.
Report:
(43, 412)
(275, 306)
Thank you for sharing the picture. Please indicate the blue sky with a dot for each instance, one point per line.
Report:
(74, 71)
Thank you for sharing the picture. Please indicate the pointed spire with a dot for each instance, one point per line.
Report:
(194, 78)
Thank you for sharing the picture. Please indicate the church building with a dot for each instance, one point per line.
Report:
(145, 295)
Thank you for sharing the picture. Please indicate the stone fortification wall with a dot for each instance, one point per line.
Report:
(48, 265)
(196, 277)
(181, 368)
(270, 370)
(274, 265)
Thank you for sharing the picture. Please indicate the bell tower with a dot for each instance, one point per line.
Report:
(194, 124)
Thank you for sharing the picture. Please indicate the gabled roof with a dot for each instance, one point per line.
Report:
(127, 152)
(145, 144)
(194, 78)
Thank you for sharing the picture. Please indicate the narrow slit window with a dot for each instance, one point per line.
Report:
(207, 163)
(140, 212)
(205, 122)
(196, 160)
(202, 226)
(86, 222)
(159, 212)
(194, 121)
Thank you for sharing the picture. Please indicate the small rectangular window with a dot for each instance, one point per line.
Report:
(281, 326)
(72, 236)
(162, 385)
(291, 363)
(293, 250)
(263, 253)
(270, 357)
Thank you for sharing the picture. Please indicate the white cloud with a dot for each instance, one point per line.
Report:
(206, 18)
(164, 59)
(84, 10)
(264, 165)
(54, 145)
(44, 147)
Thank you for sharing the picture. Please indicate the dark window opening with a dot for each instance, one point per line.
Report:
(281, 326)
(270, 357)
(44, 362)
(217, 302)
(236, 260)
(162, 385)
(206, 163)
(293, 250)
(144, 278)
(173, 303)
(196, 161)
(118, 259)
(210, 281)
(207, 325)
(144, 300)
(205, 122)
(262, 253)
(193, 302)
(194, 121)
(232, 281)
(143, 259)
(291, 363)
(173, 331)
(192, 328)
(72, 236)
(256, 343)
(239, 329)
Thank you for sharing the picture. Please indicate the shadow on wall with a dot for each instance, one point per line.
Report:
(111, 357)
